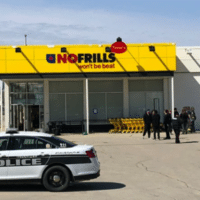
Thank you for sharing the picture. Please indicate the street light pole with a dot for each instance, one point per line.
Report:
(25, 39)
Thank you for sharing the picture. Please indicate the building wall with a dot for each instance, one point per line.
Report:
(187, 80)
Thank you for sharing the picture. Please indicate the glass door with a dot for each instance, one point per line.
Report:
(27, 117)
(33, 117)
(17, 117)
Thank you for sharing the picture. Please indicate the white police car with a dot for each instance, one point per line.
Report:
(40, 156)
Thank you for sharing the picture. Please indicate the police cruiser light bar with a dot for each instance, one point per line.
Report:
(11, 130)
(50, 160)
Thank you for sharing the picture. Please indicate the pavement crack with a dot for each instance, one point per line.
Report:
(146, 168)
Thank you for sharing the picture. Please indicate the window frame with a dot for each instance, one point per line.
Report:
(71, 144)
(10, 148)
(6, 137)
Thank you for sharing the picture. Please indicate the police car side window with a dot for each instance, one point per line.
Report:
(22, 143)
(3, 144)
(59, 142)
(41, 144)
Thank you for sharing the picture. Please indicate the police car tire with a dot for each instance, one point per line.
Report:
(55, 169)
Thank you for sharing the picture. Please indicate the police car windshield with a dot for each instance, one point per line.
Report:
(60, 142)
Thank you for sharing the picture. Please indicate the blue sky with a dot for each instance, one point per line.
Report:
(98, 22)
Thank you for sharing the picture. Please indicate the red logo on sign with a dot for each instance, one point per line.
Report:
(118, 47)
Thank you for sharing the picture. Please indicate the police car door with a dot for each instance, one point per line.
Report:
(3, 157)
(28, 156)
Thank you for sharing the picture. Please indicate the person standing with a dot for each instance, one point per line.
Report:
(156, 124)
(176, 123)
(167, 121)
(147, 121)
(193, 118)
(170, 124)
(184, 118)
(176, 112)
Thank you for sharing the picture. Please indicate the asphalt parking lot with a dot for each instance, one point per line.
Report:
(131, 168)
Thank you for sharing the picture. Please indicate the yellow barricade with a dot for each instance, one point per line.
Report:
(127, 125)
(114, 123)
(124, 124)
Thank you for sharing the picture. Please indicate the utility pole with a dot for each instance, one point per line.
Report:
(25, 39)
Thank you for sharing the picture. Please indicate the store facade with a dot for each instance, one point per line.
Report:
(85, 84)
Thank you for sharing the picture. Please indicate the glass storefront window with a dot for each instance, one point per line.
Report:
(17, 87)
(35, 98)
(26, 105)
(18, 98)
(35, 87)
(27, 93)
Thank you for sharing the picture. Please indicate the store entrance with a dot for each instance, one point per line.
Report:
(26, 117)
(33, 117)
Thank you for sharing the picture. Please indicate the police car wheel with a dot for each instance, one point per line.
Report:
(56, 178)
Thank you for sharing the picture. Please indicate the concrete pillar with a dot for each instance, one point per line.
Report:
(46, 105)
(172, 96)
(86, 104)
(7, 105)
(166, 93)
(169, 93)
(1, 106)
(125, 98)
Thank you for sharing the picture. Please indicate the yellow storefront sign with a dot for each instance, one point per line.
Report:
(87, 59)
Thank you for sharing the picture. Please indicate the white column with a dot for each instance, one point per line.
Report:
(172, 96)
(166, 93)
(46, 104)
(86, 104)
(125, 98)
(170, 93)
(7, 105)
(1, 105)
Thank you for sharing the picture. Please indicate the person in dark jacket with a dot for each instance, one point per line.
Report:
(156, 123)
(170, 125)
(147, 121)
(192, 118)
(176, 112)
(167, 121)
(184, 118)
(176, 123)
